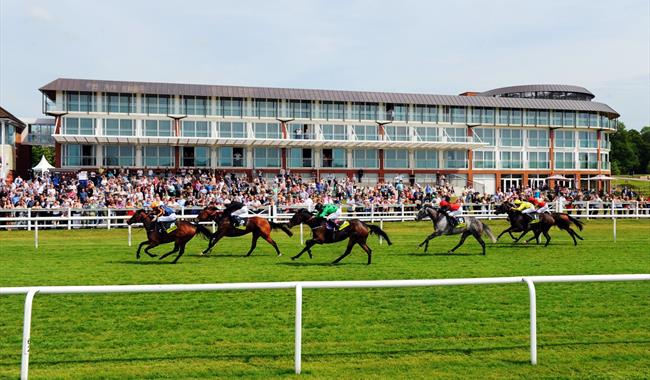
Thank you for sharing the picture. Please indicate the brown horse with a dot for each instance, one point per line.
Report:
(183, 233)
(519, 222)
(259, 227)
(357, 231)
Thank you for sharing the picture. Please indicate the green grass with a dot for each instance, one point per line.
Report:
(589, 330)
(640, 186)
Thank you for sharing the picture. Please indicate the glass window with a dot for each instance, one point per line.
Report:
(604, 161)
(366, 132)
(538, 160)
(458, 115)
(190, 128)
(267, 157)
(487, 116)
(396, 133)
(195, 105)
(531, 117)
(583, 119)
(364, 111)
(158, 155)
(538, 138)
(444, 114)
(556, 118)
(588, 160)
(334, 158)
(569, 119)
(231, 156)
(300, 109)
(426, 159)
(511, 160)
(119, 103)
(593, 119)
(334, 110)
(195, 156)
(486, 135)
(542, 117)
(425, 113)
(79, 155)
(396, 158)
(265, 108)
(267, 130)
(455, 159)
(456, 134)
(484, 160)
(119, 155)
(475, 115)
(161, 128)
(78, 126)
(511, 137)
(231, 106)
(232, 129)
(80, 102)
(300, 158)
(515, 117)
(119, 127)
(365, 158)
(604, 141)
(564, 160)
(564, 139)
(588, 139)
(427, 133)
(504, 116)
(399, 112)
(157, 104)
(334, 132)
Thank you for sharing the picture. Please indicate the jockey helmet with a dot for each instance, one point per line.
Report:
(517, 202)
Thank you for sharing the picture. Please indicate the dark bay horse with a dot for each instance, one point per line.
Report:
(259, 227)
(442, 227)
(183, 233)
(357, 231)
(519, 222)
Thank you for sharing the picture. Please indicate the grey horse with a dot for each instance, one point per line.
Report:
(442, 226)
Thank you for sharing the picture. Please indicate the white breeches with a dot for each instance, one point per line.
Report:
(335, 215)
(455, 213)
(528, 210)
(169, 218)
(542, 210)
(242, 212)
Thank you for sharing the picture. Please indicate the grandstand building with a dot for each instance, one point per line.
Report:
(498, 139)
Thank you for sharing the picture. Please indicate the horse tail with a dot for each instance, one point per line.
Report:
(488, 232)
(575, 221)
(376, 230)
(282, 226)
(204, 231)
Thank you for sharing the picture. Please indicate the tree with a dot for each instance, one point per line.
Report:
(624, 153)
(39, 151)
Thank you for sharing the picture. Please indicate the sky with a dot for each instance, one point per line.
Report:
(395, 46)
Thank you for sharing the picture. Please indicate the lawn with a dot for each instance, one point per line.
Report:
(588, 330)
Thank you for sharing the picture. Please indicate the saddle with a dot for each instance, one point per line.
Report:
(166, 227)
(238, 223)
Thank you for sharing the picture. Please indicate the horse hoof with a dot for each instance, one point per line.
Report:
(279, 254)
(450, 252)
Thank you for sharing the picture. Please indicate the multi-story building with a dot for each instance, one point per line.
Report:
(10, 127)
(501, 138)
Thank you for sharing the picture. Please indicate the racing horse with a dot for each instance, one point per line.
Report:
(442, 226)
(183, 233)
(356, 231)
(259, 227)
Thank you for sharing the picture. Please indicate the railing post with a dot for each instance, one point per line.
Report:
(372, 213)
(129, 227)
(298, 328)
(402, 206)
(301, 235)
(29, 219)
(27, 328)
(614, 230)
(108, 218)
(381, 225)
(69, 220)
(533, 320)
(36, 234)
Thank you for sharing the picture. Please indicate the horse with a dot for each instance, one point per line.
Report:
(183, 233)
(442, 226)
(560, 220)
(521, 223)
(356, 231)
(259, 227)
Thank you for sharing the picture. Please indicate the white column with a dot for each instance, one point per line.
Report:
(138, 156)
(139, 127)
(138, 103)
(213, 157)
(348, 153)
(214, 131)
(317, 157)
(249, 157)
(4, 163)
(99, 124)
(411, 159)
(99, 101)
(214, 105)
(441, 159)
(99, 155)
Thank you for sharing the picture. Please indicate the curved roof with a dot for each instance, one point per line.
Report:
(64, 84)
(537, 87)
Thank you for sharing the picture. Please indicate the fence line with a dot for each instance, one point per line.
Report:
(299, 287)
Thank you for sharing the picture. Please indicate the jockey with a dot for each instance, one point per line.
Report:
(542, 207)
(164, 214)
(525, 208)
(451, 210)
(330, 212)
(237, 212)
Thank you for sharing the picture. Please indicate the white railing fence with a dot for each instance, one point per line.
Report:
(530, 281)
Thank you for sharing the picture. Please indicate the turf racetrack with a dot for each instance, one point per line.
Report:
(589, 330)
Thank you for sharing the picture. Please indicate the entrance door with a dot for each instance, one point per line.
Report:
(510, 183)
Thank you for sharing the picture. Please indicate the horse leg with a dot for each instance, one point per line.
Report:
(253, 243)
(462, 240)
(347, 251)
(478, 238)
(571, 233)
(522, 235)
(137, 254)
(308, 244)
(275, 245)
(151, 245)
(507, 230)
(511, 235)
(180, 252)
(170, 252)
(365, 247)
(547, 236)
(213, 242)
(425, 243)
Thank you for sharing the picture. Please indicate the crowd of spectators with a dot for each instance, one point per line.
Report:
(196, 189)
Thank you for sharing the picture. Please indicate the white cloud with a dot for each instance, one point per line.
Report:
(39, 13)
